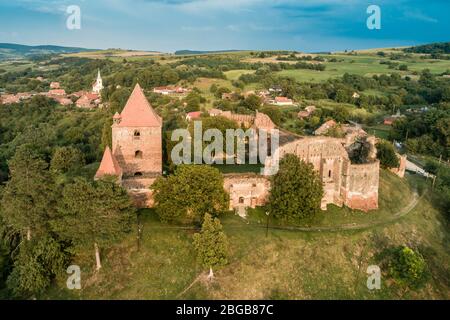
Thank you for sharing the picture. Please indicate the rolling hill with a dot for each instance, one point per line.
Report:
(11, 51)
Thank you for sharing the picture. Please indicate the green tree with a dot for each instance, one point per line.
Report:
(93, 214)
(66, 159)
(37, 263)
(296, 191)
(408, 267)
(211, 243)
(28, 198)
(190, 193)
(386, 154)
(359, 150)
(106, 134)
(252, 102)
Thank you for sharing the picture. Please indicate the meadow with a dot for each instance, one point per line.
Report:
(287, 264)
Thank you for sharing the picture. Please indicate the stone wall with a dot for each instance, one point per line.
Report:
(140, 190)
(138, 154)
(360, 186)
(400, 171)
(246, 190)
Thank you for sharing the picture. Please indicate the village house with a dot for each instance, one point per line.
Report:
(170, 90)
(194, 115)
(9, 99)
(63, 101)
(88, 100)
(56, 92)
(282, 101)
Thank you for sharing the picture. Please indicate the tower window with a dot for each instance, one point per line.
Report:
(138, 154)
(241, 200)
(329, 174)
(138, 174)
(137, 134)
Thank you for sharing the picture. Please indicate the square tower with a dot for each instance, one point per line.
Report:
(137, 140)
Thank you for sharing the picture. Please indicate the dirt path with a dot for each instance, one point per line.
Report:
(405, 211)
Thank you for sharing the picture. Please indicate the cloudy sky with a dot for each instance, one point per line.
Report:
(169, 25)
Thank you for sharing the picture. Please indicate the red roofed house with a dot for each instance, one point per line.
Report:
(64, 101)
(193, 115)
(9, 99)
(57, 92)
(84, 102)
(283, 101)
(137, 146)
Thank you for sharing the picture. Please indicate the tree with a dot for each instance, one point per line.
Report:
(93, 214)
(29, 196)
(386, 154)
(37, 263)
(359, 150)
(190, 193)
(296, 190)
(408, 267)
(252, 102)
(211, 243)
(66, 159)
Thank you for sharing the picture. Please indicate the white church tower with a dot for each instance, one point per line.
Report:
(98, 84)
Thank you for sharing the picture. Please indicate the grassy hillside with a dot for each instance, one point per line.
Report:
(10, 51)
(286, 264)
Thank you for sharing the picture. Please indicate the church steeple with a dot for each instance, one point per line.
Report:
(98, 84)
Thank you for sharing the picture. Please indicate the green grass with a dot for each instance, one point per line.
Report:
(364, 65)
(284, 265)
(380, 131)
(235, 74)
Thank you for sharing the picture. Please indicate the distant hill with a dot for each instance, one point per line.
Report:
(432, 48)
(10, 51)
(193, 52)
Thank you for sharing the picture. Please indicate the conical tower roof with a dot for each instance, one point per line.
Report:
(138, 112)
(108, 166)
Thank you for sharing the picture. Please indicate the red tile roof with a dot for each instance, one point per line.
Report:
(108, 166)
(138, 112)
(194, 115)
(282, 99)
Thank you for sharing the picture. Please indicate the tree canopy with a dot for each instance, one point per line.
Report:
(190, 193)
(296, 191)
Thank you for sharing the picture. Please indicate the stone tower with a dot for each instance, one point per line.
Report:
(137, 143)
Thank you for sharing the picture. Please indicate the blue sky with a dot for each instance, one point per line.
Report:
(169, 25)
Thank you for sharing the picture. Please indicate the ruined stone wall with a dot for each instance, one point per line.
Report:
(140, 191)
(247, 190)
(148, 145)
(400, 171)
(360, 186)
